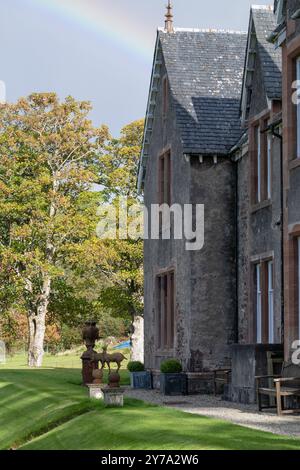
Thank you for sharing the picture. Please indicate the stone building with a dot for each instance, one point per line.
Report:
(287, 36)
(259, 210)
(221, 131)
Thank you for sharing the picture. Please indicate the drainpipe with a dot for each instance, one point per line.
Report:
(279, 136)
(236, 253)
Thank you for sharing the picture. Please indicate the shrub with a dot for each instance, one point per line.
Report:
(171, 366)
(135, 366)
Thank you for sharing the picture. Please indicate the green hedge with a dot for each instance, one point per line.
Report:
(171, 366)
(135, 366)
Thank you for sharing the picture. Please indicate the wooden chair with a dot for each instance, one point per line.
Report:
(275, 362)
(221, 376)
(285, 385)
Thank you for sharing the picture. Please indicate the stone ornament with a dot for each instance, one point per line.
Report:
(90, 334)
(108, 359)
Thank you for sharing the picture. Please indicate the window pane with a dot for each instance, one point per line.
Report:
(258, 305)
(167, 179)
(298, 107)
(258, 144)
(271, 302)
(159, 312)
(298, 288)
(269, 163)
(172, 310)
(165, 311)
(165, 323)
(162, 180)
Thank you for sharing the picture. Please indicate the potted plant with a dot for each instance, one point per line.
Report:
(139, 377)
(172, 380)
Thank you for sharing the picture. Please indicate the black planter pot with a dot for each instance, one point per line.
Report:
(173, 384)
(141, 380)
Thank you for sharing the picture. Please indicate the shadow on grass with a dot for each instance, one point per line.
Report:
(32, 401)
(146, 427)
(50, 409)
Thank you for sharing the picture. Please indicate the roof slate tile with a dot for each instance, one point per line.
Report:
(271, 58)
(205, 71)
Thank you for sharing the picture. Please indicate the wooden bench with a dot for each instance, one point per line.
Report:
(280, 386)
(221, 376)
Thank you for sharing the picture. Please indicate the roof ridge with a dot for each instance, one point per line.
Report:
(204, 30)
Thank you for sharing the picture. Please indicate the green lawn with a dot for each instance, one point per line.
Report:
(48, 409)
(33, 400)
(141, 426)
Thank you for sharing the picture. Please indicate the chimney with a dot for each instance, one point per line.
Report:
(169, 28)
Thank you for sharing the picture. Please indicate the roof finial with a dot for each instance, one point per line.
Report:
(169, 28)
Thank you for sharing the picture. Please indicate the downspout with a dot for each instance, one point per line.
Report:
(279, 136)
(236, 254)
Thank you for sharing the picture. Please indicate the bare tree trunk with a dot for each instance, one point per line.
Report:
(37, 320)
(37, 327)
(137, 339)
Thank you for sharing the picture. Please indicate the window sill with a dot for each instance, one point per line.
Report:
(294, 164)
(164, 352)
(261, 205)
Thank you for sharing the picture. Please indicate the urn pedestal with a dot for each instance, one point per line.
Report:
(88, 366)
(90, 334)
(113, 396)
(95, 391)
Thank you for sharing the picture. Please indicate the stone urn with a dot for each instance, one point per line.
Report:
(97, 376)
(90, 334)
(114, 380)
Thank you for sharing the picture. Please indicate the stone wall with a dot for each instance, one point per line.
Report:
(205, 281)
(164, 254)
(213, 269)
(291, 182)
(293, 27)
(258, 98)
(243, 248)
(259, 226)
(249, 361)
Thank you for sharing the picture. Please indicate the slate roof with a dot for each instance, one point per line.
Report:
(271, 59)
(205, 71)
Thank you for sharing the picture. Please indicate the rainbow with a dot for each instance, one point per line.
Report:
(96, 17)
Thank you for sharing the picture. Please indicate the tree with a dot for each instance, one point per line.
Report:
(119, 167)
(49, 159)
(119, 164)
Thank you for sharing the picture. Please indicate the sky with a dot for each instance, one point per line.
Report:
(97, 50)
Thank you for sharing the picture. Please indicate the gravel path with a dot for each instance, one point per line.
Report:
(208, 405)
